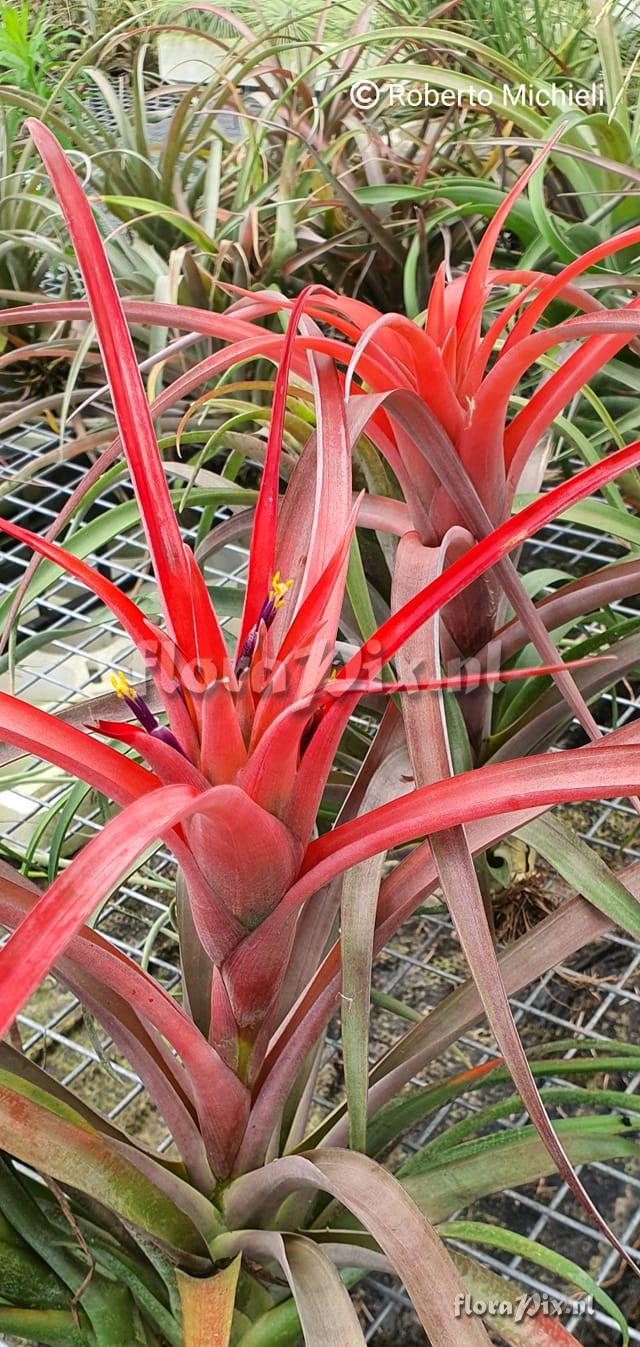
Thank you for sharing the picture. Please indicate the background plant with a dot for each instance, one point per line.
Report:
(314, 193)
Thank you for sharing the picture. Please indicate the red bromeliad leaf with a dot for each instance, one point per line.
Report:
(389, 637)
(145, 635)
(400, 626)
(43, 935)
(314, 605)
(463, 504)
(435, 321)
(575, 774)
(606, 332)
(102, 863)
(223, 751)
(428, 375)
(164, 661)
(171, 767)
(49, 737)
(330, 499)
(307, 651)
(532, 282)
(130, 404)
(469, 315)
(265, 525)
(251, 855)
(270, 772)
(557, 285)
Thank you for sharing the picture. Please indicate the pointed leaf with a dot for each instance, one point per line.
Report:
(460, 1176)
(265, 524)
(358, 918)
(130, 403)
(326, 1313)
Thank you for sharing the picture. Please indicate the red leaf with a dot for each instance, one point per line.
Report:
(130, 404)
(382, 645)
(50, 925)
(47, 737)
(473, 294)
(262, 562)
(598, 772)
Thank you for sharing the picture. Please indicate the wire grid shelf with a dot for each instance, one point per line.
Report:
(421, 964)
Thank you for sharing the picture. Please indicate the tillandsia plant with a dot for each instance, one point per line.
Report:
(251, 1234)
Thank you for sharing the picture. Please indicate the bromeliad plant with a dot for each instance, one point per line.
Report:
(121, 1246)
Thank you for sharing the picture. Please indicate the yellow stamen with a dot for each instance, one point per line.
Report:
(279, 589)
(121, 685)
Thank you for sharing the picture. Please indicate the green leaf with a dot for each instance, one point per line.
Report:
(552, 1094)
(473, 1170)
(115, 1262)
(46, 1133)
(108, 1308)
(614, 80)
(400, 1114)
(358, 591)
(26, 1280)
(52, 1328)
(495, 1237)
(584, 870)
(71, 805)
(595, 514)
(147, 206)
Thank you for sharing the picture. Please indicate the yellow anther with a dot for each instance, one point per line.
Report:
(278, 591)
(121, 686)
